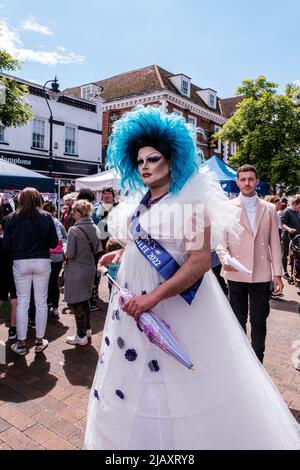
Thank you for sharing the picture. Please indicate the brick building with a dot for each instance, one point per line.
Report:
(153, 85)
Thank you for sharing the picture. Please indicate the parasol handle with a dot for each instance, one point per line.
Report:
(104, 271)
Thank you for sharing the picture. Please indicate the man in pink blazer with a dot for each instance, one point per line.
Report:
(258, 249)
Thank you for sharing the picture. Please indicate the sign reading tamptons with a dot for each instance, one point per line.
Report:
(16, 160)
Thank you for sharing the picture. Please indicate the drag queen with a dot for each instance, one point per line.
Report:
(141, 397)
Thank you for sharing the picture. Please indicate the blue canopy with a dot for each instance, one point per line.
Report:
(228, 176)
(17, 177)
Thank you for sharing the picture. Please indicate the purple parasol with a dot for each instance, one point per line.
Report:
(156, 330)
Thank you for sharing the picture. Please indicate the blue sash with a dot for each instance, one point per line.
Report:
(155, 254)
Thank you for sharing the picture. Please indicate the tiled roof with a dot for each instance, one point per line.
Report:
(195, 98)
(228, 105)
(141, 82)
(136, 82)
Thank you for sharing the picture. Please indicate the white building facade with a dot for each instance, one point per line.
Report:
(77, 136)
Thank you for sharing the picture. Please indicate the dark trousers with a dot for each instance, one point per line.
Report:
(256, 295)
(285, 243)
(82, 317)
(53, 289)
(217, 272)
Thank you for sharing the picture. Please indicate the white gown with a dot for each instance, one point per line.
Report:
(228, 402)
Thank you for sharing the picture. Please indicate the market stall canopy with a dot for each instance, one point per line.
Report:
(99, 181)
(227, 176)
(16, 177)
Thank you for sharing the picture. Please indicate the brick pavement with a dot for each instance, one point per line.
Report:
(43, 398)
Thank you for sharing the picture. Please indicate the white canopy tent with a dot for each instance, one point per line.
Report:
(99, 181)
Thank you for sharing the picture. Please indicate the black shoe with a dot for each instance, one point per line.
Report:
(12, 333)
(276, 296)
(286, 276)
(19, 349)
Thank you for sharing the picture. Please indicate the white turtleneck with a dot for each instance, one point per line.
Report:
(250, 205)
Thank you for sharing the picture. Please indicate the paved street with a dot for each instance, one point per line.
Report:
(44, 397)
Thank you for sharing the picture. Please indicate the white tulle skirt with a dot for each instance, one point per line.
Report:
(228, 402)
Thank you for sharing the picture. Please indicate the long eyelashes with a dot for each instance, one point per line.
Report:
(149, 160)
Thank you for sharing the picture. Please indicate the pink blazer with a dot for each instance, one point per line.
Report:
(259, 251)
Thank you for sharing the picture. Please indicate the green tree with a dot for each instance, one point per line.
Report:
(266, 128)
(14, 110)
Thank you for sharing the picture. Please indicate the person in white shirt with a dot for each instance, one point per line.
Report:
(258, 249)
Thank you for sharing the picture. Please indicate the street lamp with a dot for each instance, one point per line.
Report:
(53, 94)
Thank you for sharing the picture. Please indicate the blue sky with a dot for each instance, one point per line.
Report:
(217, 43)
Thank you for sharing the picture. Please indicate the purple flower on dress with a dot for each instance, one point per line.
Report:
(153, 366)
(107, 340)
(96, 394)
(120, 342)
(117, 315)
(120, 394)
(131, 355)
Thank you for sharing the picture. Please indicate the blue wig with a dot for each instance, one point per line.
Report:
(151, 127)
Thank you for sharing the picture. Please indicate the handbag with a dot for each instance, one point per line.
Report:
(58, 249)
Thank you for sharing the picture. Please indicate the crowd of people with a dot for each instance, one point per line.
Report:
(37, 249)
(206, 287)
(81, 235)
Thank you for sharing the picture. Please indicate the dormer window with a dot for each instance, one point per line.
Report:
(209, 97)
(185, 87)
(182, 83)
(87, 91)
(212, 100)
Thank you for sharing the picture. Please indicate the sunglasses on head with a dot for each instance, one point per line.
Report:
(108, 190)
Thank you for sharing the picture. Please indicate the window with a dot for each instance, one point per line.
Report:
(185, 87)
(2, 133)
(70, 140)
(218, 148)
(192, 120)
(212, 101)
(86, 92)
(177, 111)
(233, 148)
(38, 136)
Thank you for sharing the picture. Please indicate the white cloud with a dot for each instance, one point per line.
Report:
(10, 41)
(9, 37)
(48, 58)
(32, 25)
(297, 82)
